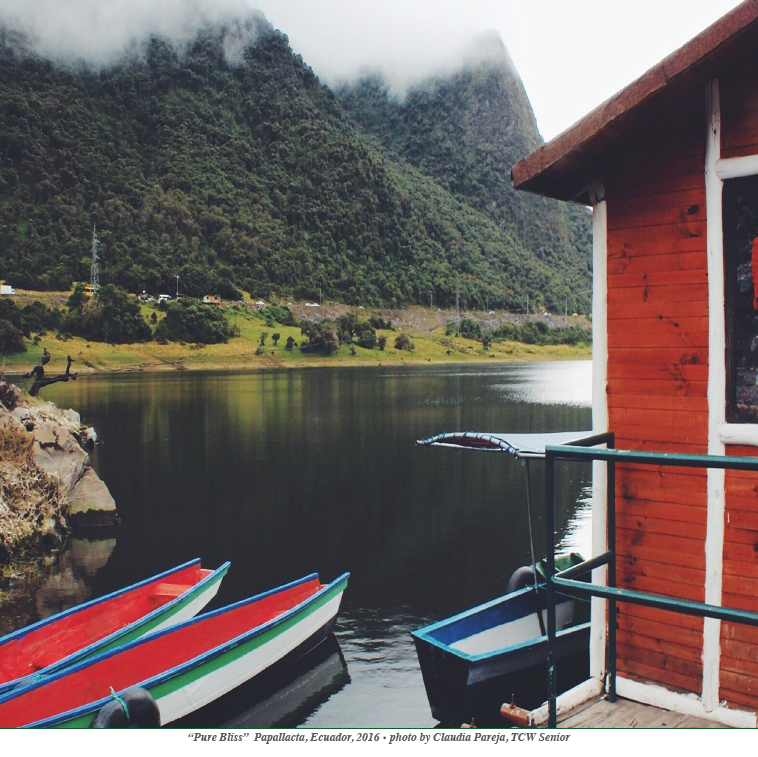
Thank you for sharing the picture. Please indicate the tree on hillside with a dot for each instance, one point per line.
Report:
(322, 337)
(403, 342)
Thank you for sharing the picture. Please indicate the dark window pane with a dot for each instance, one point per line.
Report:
(741, 298)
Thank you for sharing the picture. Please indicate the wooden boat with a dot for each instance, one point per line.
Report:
(101, 624)
(477, 660)
(186, 666)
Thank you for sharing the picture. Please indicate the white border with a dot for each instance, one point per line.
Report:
(599, 421)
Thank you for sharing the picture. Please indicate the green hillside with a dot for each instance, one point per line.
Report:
(466, 131)
(244, 174)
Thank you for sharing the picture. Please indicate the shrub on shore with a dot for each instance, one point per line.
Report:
(190, 321)
(403, 342)
(17, 323)
(322, 337)
(539, 332)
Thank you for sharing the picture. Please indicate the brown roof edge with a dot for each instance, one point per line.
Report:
(534, 173)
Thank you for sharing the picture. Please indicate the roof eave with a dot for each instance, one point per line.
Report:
(563, 167)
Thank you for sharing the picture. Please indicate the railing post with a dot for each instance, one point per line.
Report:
(610, 592)
(552, 688)
(612, 579)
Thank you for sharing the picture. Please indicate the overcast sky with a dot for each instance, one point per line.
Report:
(571, 54)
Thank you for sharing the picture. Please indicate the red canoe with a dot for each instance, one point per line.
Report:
(101, 624)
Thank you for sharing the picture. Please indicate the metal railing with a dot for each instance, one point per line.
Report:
(565, 583)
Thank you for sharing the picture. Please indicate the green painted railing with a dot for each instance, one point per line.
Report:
(565, 583)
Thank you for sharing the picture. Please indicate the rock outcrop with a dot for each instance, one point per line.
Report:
(47, 483)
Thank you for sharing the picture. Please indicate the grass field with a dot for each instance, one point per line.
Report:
(239, 353)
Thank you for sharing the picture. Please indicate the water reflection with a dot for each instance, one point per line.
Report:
(64, 580)
(283, 700)
(285, 473)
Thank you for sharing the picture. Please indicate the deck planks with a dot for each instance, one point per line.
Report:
(627, 714)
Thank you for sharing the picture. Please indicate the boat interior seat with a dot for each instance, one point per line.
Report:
(163, 590)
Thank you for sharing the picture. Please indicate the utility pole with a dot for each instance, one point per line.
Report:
(177, 286)
(527, 303)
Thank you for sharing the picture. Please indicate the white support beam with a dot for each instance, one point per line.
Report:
(714, 540)
(744, 434)
(599, 420)
(736, 168)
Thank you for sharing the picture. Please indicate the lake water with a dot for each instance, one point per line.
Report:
(292, 472)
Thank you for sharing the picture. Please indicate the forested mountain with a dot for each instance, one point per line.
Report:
(229, 164)
(466, 130)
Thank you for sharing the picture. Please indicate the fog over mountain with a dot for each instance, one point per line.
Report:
(100, 33)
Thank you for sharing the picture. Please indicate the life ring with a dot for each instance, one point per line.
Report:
(521, 578)
(135, 708)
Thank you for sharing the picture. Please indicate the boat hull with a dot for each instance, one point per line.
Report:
(183, 695)
(284, 695)
(189, 665)
(470, 669)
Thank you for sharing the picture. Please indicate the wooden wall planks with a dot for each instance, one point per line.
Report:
(657, 389)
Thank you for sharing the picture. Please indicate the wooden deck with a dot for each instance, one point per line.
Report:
(627, 714)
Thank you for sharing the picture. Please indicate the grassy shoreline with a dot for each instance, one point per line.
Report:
(432, 346)
(93, 358)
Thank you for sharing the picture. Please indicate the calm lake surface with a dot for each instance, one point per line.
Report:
(288, 473)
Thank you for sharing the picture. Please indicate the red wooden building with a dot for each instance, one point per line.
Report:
(670, 168)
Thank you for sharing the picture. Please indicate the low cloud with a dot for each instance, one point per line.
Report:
(100, 32)
(406, 41)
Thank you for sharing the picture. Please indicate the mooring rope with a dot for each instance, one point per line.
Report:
(123, 704)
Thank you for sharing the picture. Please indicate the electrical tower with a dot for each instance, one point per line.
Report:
(95, 277)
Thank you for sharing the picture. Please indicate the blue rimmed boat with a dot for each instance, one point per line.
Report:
(477, 660)
(186, 666)
(88, 629)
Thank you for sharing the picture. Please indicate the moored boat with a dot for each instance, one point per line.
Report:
(80, 632)
(186, 666)
(477, 660)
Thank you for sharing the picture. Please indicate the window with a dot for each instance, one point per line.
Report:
(740, 214)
